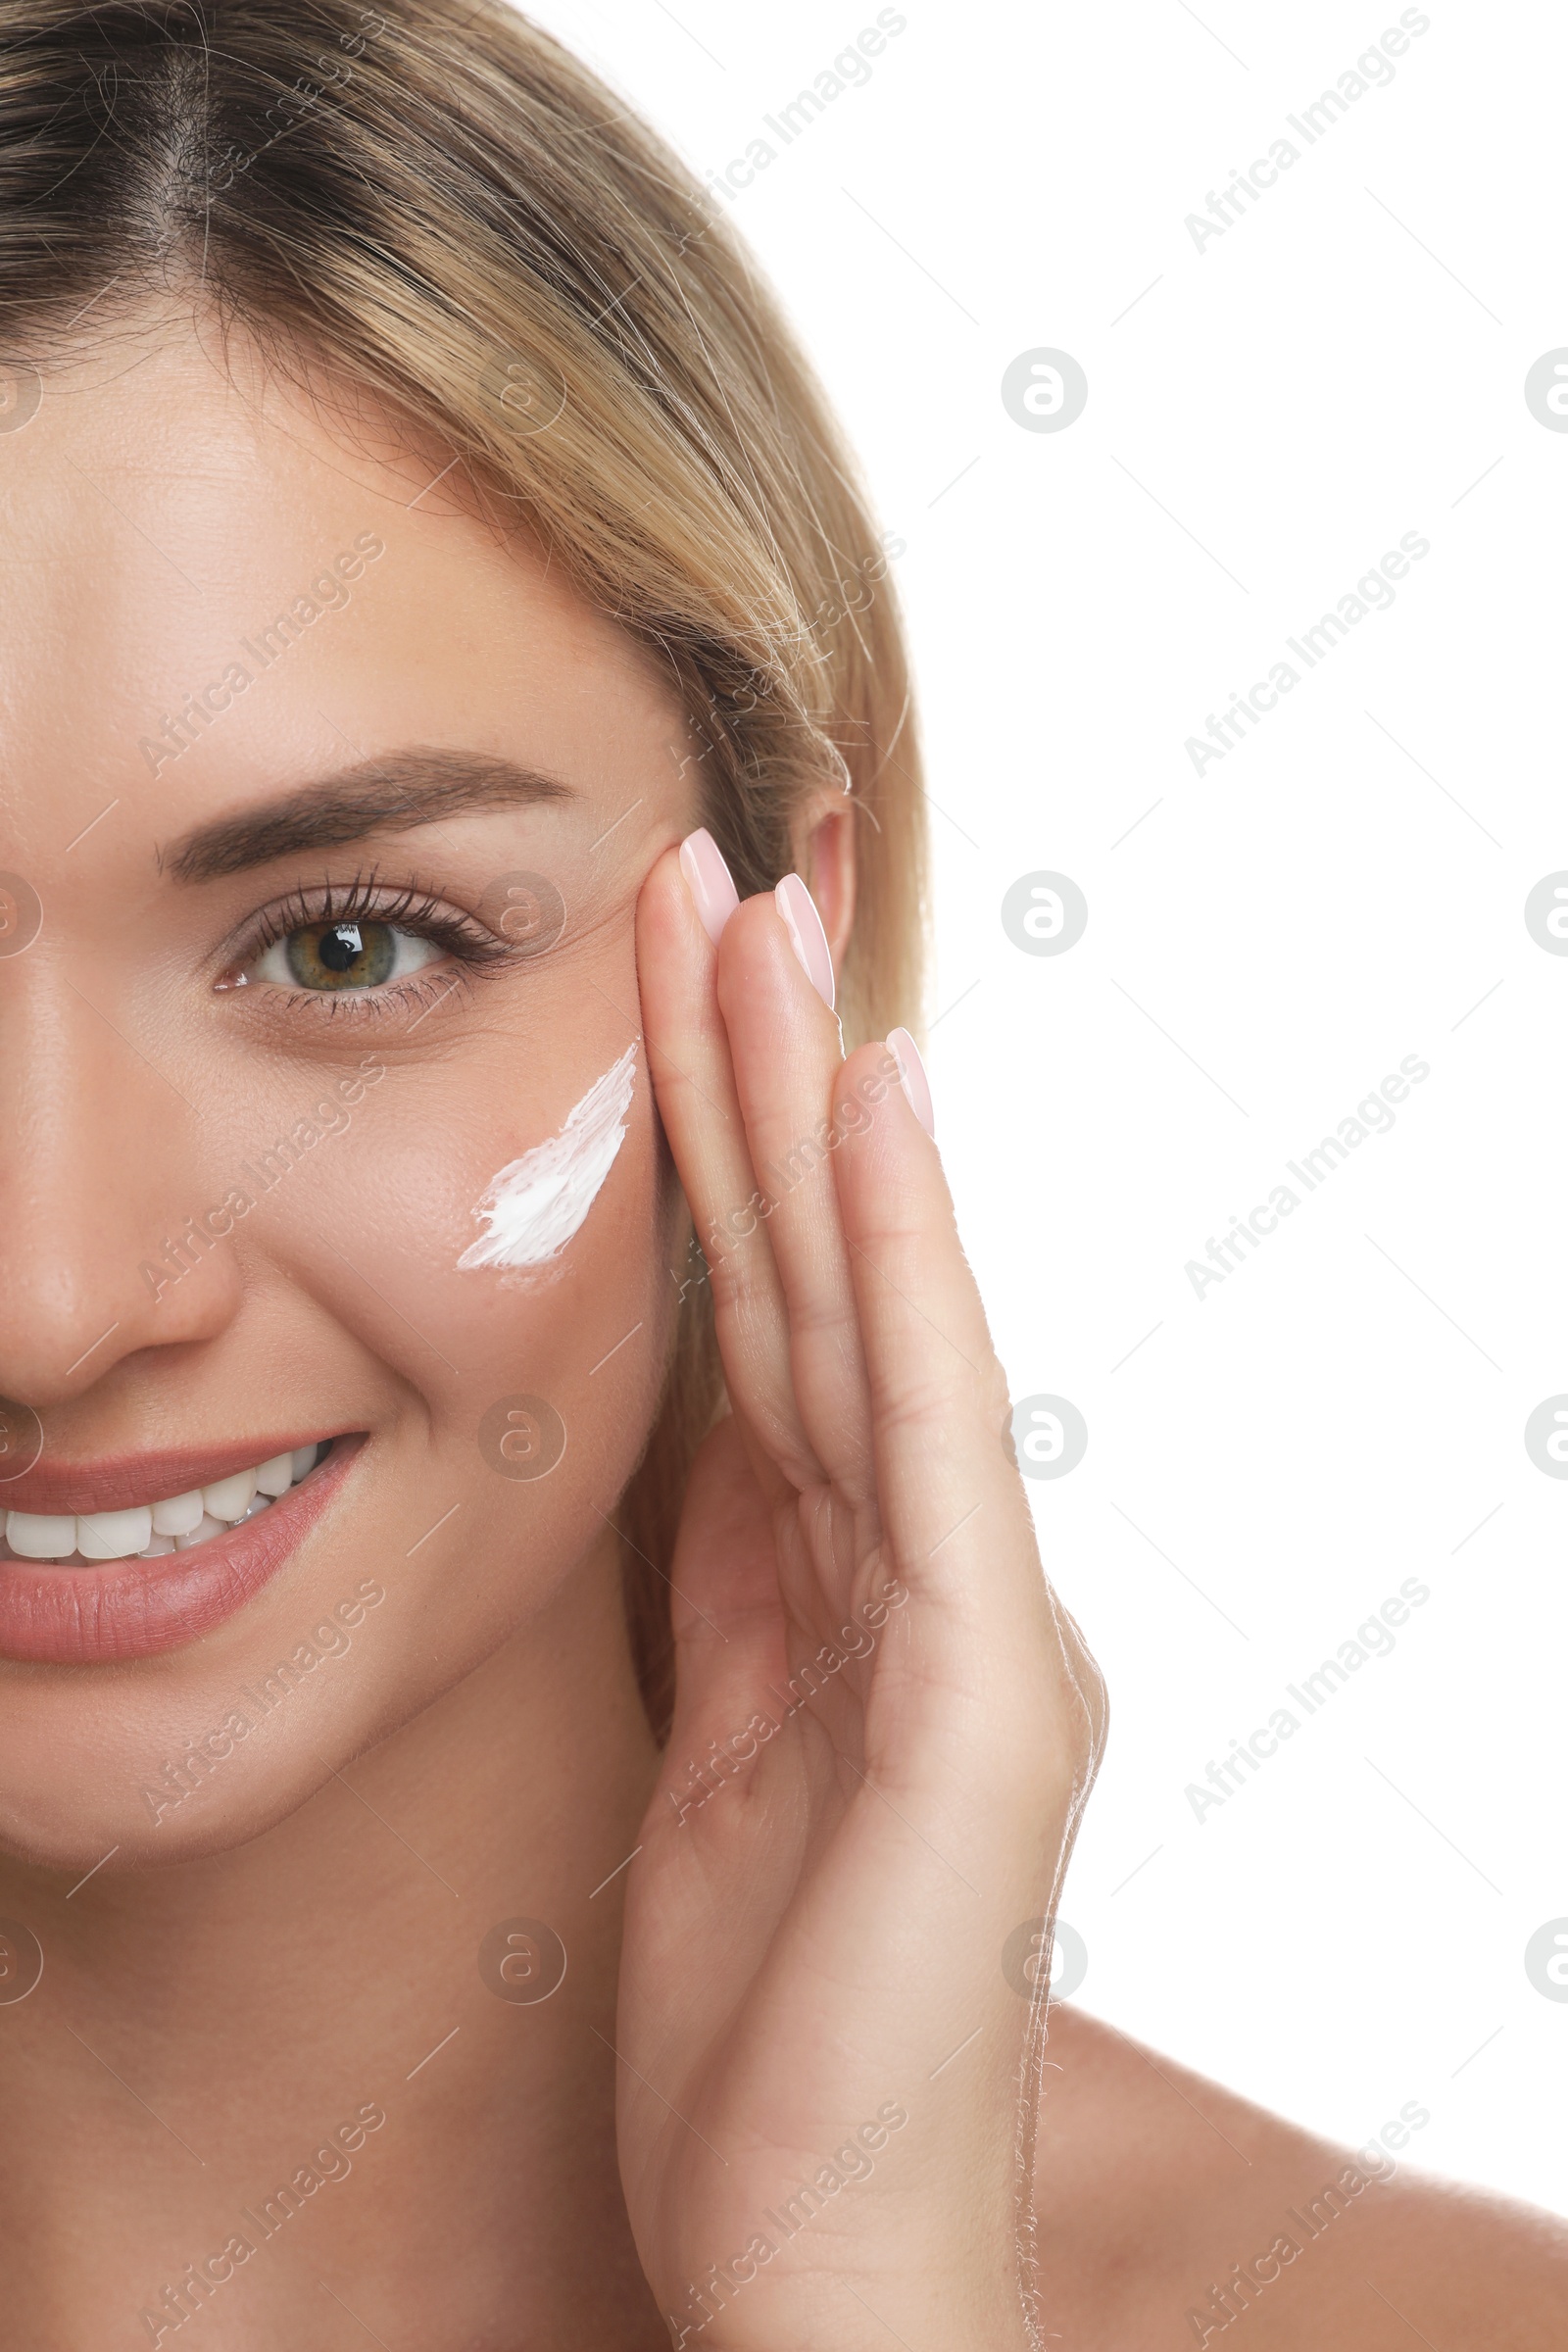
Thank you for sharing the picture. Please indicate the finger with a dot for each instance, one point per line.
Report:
(952, 1504)
(694, 1083)
(988, 1664)
(788, 1064)
(726, 1613)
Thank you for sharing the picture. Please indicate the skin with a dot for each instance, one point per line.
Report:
(817, 1942)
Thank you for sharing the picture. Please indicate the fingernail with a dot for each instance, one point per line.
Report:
(709, 880)
(912, 1078)
(798, 911)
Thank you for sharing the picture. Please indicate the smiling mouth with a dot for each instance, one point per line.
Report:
(74, 1592)
(149, 1530)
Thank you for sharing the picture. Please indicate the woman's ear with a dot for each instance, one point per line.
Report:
(826, 862)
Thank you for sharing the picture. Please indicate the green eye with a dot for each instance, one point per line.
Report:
(342, 955)
(356, 954)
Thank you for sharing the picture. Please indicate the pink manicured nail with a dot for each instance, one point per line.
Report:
(912, 1078)
(707, 878)
(798, 911)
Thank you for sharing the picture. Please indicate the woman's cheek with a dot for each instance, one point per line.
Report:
(478, 1253)
(535, 1205)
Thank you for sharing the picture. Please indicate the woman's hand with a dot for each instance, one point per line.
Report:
(885, 1725)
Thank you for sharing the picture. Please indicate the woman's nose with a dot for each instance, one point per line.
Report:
(101, 1177)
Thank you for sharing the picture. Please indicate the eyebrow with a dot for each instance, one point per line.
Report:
(417, 785)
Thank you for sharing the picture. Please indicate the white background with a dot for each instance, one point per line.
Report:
(1345, 365)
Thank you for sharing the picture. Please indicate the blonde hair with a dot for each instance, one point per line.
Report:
(438, 201)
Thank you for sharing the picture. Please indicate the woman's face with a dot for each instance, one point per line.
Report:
(283, 987)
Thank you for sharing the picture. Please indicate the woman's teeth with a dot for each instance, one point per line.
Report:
(152, 1529)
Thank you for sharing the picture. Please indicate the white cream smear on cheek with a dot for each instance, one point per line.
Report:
(534, 1207)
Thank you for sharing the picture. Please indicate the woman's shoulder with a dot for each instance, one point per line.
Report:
(1171, 2211)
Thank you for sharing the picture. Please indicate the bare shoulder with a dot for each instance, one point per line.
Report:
(1171, 2211)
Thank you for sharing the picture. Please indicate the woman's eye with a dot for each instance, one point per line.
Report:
(339, 956)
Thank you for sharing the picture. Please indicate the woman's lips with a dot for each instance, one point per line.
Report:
(135, 1608)
(114, 1483)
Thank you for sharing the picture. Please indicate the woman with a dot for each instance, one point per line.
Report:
(537, 1751)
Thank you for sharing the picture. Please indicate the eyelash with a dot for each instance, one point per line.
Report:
(462, 938)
